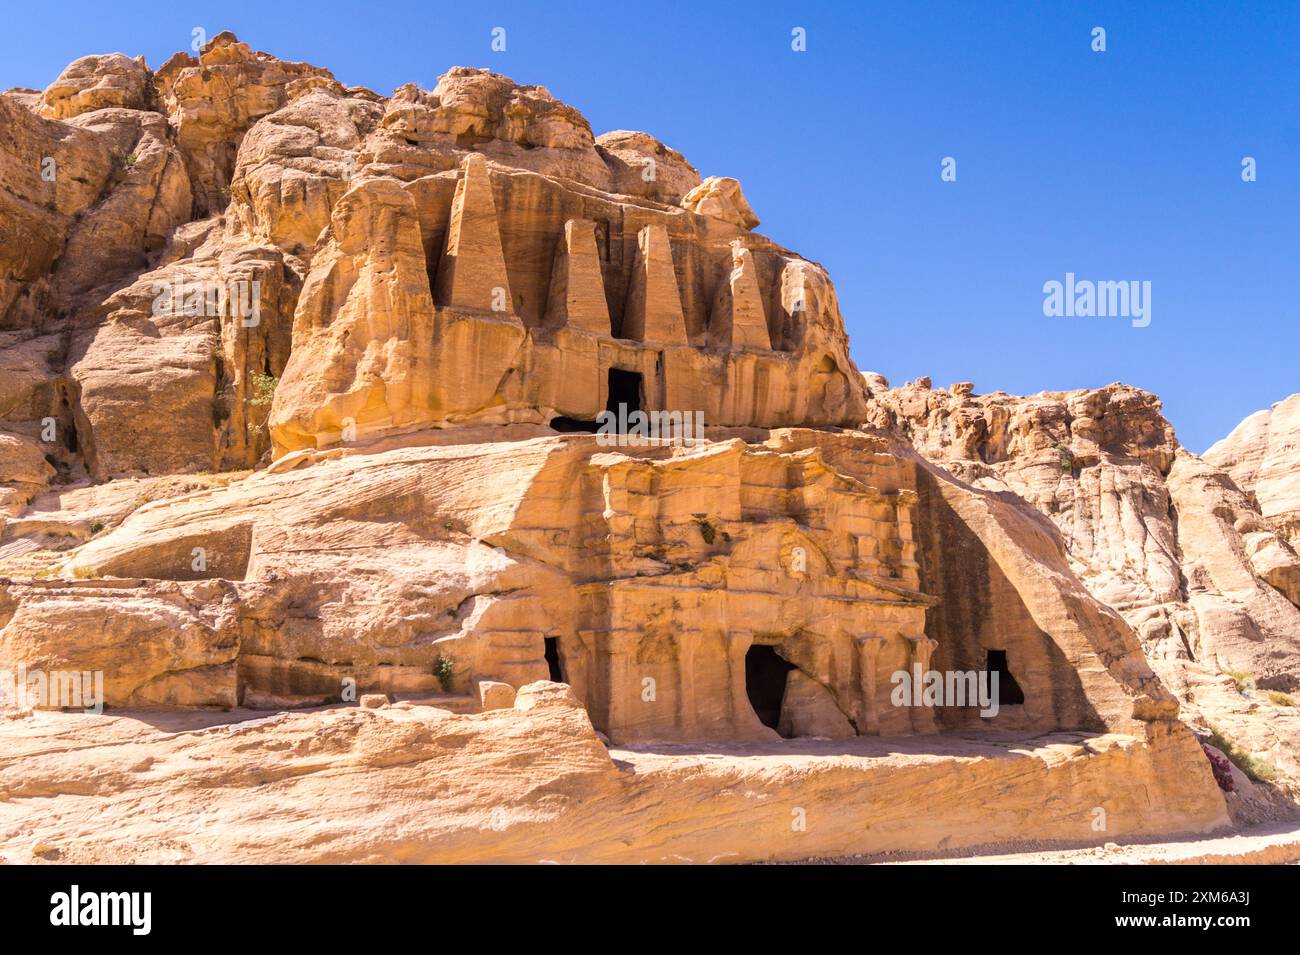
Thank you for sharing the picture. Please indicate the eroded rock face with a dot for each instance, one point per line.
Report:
(707, 316)
(641, 165)
(533, 783)
(284, 364)
(51, 173)
(24, 471)
(470, 106)
(710, 317)
(1261, 455)
(295, 164)
(171, 647)
(1162, 536)
(98, 82)
(1092, 461)
(213, 99)
(638, 565)
(150, 197)
(720, 197)
(1148, 526)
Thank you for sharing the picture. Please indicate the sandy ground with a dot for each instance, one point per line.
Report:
(1274, 844)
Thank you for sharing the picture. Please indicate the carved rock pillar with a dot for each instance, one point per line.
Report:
(922, 651)
(868, 719)
(619, 648)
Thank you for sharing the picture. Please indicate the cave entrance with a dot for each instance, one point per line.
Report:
(765, 674)
(573, 425)
(624, 389)
(553, 659)
(1009, 691)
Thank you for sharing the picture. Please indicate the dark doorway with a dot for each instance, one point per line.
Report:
(571, 425)
(624, 389)
(765, 673)
(553, 659)
(1009, 692)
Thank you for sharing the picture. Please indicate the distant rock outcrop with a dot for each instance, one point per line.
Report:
(1262, 456)
(1204, 574)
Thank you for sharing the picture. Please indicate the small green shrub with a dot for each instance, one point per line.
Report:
(1067, 456)
(1254, 767)
(263, 388)
(444, 668)
(96, 526)
(1243, 680)
(707, 530)
(1280, 698)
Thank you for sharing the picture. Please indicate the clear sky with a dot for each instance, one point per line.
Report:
(1122, 165)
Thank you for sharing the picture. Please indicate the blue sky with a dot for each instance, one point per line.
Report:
(1122, 165)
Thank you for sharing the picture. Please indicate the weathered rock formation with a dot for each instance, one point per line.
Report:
(522, 296)
(533, 783)
(1262, 456)
(297, 381)
(1206, 579)
(641, 565)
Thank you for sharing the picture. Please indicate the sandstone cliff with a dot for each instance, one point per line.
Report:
(296, 380)
(173, 238)
(1176, 545)
(1262, 456)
